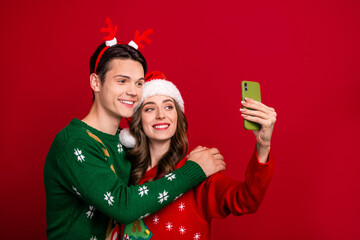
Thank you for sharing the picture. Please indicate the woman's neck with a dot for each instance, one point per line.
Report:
(157, 150)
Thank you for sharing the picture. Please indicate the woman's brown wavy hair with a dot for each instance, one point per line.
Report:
(140, 154)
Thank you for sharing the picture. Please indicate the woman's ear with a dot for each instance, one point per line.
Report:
(95, 82)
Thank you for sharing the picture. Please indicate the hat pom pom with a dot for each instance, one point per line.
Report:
(126, 138)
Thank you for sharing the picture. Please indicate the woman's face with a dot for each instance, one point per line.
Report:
(159, 118)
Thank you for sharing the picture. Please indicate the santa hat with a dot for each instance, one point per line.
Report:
(155, 84)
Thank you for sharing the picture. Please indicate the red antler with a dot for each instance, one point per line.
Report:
(109, 29)
(142, 37)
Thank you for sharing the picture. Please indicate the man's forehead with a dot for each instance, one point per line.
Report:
(126, 68)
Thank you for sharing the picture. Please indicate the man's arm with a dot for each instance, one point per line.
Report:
(98, 185)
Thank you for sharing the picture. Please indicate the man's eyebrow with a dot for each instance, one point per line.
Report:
(124, 76)
(127, 77)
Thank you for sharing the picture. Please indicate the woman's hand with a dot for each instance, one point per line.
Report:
(266, 117)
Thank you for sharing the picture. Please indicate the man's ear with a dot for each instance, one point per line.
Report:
(95, 82)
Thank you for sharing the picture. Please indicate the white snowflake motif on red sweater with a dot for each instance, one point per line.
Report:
(181, 206)
(197, 236)
(156, 219)
(182, 230)
(169, 226)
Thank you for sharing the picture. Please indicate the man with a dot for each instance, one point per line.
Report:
(86, 171)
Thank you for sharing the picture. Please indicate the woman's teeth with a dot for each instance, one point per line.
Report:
(161, 126)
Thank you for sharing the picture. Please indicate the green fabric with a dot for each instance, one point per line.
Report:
(86, 175)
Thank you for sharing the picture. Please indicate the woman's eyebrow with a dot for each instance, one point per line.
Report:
(148, 103)
(168, 100)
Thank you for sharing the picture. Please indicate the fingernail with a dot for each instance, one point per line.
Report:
(243, 102)
(242, 110)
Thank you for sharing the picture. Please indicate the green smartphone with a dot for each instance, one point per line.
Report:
(250, 90)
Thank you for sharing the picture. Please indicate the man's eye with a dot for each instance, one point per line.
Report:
(139, 83)
(122, 81)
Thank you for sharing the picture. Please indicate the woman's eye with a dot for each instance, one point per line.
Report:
(169, 107)
(149, 109)
(139, 84)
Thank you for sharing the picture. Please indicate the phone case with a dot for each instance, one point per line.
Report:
(250, 90)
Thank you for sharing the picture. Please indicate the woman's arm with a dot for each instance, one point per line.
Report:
(220, 195)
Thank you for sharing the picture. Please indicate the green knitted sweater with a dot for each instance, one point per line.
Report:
(86, 177)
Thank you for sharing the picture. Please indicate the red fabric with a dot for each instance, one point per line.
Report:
(189, 216)
(154, 75)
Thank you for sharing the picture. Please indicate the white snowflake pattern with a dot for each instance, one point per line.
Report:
(181, 206)
(120, 148)
(76, 191)
(163, 196)
(144, 216)
(197, 236)
(169, 226)
(178, 197)
(143, 191)
(156, 219)
(91, 212)
(182, 230)
(170, 176)
(78, 153)
(109, 198)
(93, 238)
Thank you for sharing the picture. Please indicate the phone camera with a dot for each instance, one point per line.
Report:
(245, 86)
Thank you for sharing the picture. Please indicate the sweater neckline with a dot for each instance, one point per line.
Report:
(98, 133)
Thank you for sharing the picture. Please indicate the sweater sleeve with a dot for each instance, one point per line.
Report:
(82, 169)
(220, 195)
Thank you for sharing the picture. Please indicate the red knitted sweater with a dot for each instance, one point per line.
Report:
(189, 216)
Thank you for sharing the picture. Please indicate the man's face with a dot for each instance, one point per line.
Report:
(122, 88)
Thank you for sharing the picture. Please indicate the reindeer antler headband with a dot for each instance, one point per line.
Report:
(110, 40)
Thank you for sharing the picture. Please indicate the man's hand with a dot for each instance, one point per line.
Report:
(210, 160)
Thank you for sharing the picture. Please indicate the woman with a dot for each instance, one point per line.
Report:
(159, 127)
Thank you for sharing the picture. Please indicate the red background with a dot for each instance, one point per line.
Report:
(305, 54)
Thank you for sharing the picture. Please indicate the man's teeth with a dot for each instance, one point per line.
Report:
(127, 102)
(161, 126)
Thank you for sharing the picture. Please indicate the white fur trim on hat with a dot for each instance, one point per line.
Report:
(161, 87)
(126, 138)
